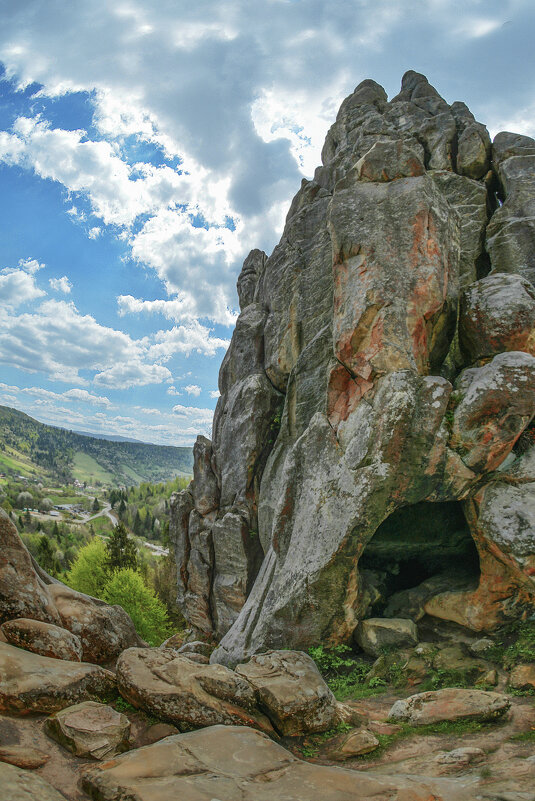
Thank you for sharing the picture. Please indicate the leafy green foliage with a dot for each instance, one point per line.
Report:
(127, 588)
(89, 572)
(345, 675)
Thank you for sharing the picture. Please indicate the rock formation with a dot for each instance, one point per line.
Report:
(374, 427)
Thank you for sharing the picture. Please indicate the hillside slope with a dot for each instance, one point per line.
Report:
(26, 444)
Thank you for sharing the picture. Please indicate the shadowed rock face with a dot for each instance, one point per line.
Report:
(383, 357)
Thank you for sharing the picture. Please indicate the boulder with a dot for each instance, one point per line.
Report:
(30, 683)
(377, 634)
(104, 630)
(23, 757)
(495, 404)
(19, 785)
(230, 762)
(497, 314)
(155, 733)
(451, 704)
(291, 691)
(43, 638)
(189, 695)
(22, 592)
(196, 647)
(352, 744)
(90, 729)
(523, 677)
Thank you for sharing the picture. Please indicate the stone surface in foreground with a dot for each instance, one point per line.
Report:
(30, 683)
(235, 762)
(450, 704)
(19, 785)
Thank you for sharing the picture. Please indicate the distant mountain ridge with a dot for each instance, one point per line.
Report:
(109, 437)
(26, 443)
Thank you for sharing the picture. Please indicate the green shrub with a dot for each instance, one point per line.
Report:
(127, 588)
(88, 572)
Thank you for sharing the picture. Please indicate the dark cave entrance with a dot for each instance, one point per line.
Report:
(418, 551)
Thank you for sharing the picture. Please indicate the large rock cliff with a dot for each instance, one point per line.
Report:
(372, 445)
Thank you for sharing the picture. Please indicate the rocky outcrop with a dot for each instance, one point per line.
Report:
(228, 762)
(187, 694)
(30, 683)
(383, 360)
(19, 785)
(26, 591)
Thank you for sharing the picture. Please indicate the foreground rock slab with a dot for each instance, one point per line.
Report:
(291, 691)
(230, 763)
(450, 704)
(20, 785)
(182, 692)
(30, 683)
(43, 638)
(90, 729)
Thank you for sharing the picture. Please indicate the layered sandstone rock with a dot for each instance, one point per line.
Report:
(383, 361)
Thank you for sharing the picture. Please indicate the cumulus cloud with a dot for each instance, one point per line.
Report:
(193, 389)
(17, 284)
(61, 284)
(215, 393)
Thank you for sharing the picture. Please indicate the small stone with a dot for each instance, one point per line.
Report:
(377, 633)
(490, 678)
(352, 744)
(378, 727)
(481, 646)
(523, 677)
(90, 730)
(346, 714)
(23, 757)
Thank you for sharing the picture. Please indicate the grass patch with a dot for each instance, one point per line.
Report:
(345, 675)
(525, 736)
(86, 468)
(101, 525)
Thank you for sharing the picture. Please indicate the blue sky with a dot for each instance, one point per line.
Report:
(146, 147)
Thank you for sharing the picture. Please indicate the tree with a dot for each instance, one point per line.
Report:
(121, 549)
(96, 506)
(46, 556)
(122, 507)
(89, 571)
(127, 588)
(24, 499)
(27, 517)
(137, 527)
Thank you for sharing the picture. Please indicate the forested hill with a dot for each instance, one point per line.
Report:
(25, 444)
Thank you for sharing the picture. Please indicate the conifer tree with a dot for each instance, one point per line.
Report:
(121, 549)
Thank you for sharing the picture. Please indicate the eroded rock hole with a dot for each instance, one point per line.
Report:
(419, 551)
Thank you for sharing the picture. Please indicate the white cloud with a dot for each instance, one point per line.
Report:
(172, 390)
(215, 393)
(61, 284)
(132, 374)
(86, 397)
(94, 232)
(185, 339)
(17, 285)
(193, 389)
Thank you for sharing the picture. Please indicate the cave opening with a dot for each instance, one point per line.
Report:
(418, 551)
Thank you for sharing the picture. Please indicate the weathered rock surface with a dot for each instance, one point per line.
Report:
(450, 704)
(26, 591)
(374, 635)
(352, 744)
(523, 677)
(383, 359)
(20, 785)
(236, 762)
(22, 757)
(291, 691)
(30, 683)
(90, 729)
(43, 638)
(189, 695)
